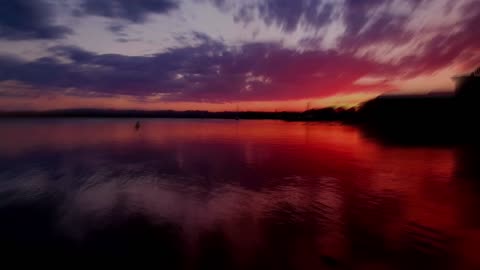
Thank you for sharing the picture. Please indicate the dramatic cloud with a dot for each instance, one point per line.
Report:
(134, 11)
(210, 72)
(27, 19)
(286, 14)
(227, 51)
(383, 30)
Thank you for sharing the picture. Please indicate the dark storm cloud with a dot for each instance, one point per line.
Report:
(29, 19)
(136, 11)
(209, 72)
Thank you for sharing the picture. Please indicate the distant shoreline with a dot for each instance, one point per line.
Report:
(81, 113)
(417, 120)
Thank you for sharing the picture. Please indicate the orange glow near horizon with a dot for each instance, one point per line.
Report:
(365, 88)
(56, 102)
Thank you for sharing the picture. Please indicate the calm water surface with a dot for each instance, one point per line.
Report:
(223, 194)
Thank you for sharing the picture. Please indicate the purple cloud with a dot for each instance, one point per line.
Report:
(26, 19)
(134, 11)
(210, 72)
(206, 69)
(286, 14)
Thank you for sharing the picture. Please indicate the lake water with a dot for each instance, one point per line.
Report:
(225, 194)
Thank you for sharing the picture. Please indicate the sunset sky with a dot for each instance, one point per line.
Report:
(219, 54)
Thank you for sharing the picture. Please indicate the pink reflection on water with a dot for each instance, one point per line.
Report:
(267, 192)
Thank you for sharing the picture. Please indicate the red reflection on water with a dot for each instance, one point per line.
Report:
(268, 193)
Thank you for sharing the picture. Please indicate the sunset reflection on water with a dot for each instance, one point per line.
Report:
(224, 194)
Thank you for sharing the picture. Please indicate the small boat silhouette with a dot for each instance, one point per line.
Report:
(137, 125)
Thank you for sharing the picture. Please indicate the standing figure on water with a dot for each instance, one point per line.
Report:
(137, 125)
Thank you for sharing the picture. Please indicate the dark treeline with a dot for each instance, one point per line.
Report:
(325, 114)
(433, 118)
(81, 113)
